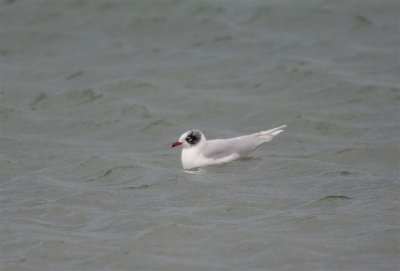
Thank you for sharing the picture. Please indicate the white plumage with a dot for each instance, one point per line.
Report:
(199, 152)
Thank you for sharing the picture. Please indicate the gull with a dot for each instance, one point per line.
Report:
(199, 152)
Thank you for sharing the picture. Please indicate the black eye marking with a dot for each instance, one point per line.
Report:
(193, 137)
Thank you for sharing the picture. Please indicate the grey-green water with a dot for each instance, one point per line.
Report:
(93, 92)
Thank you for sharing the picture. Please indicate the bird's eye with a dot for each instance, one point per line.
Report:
(193, 138)
(189, 138)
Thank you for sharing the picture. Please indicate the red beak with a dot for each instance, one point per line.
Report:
(176, 143)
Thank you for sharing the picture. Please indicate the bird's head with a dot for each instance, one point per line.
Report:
(190, 139)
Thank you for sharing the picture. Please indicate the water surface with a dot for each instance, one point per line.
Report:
(93, 92)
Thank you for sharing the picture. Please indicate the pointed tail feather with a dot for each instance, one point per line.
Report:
(268, 135)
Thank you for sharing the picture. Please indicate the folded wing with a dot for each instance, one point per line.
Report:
(242, 145)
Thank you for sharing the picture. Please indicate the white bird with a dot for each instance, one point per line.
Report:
(199, 152)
